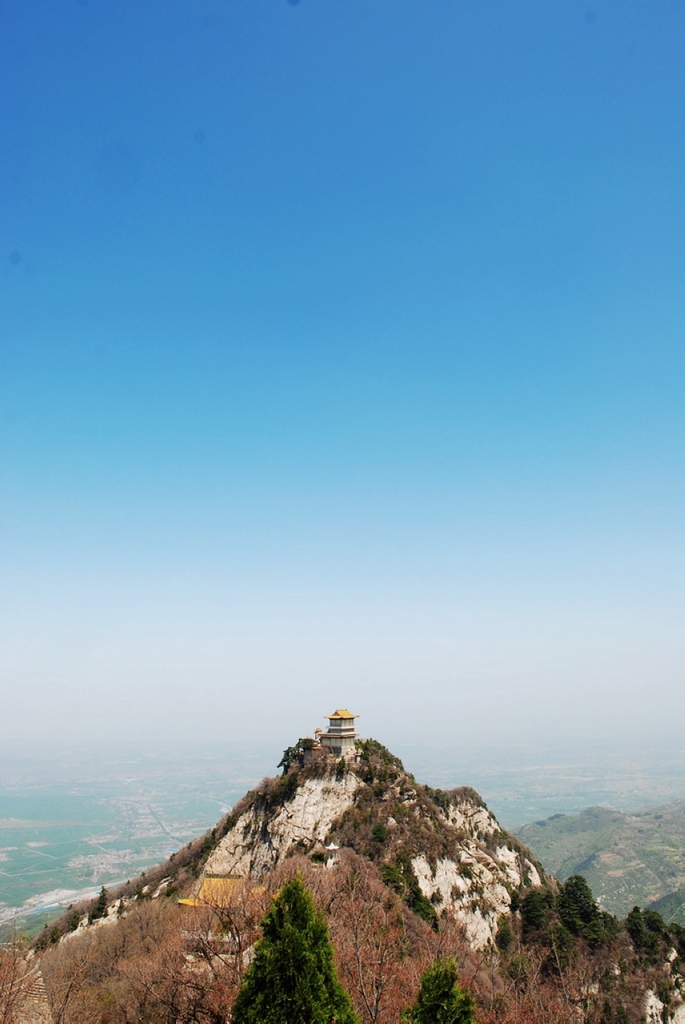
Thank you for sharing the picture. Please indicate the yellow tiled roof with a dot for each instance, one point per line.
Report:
(342, 713)
(214, 892)
(217, 891)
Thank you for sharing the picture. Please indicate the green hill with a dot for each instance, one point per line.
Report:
(671, 907)
(628, 859)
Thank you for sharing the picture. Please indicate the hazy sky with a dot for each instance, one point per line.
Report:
(343, 364)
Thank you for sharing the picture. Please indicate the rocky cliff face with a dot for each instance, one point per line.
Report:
(444, 851)
(266, 832)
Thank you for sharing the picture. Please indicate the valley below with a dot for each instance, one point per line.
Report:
(71, 824)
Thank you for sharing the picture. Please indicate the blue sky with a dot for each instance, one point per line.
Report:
(343, 363)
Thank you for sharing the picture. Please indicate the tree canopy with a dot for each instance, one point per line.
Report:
(292, 977)
(440, 999)
(292, 754)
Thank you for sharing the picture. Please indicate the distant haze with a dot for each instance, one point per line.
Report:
(343, 364)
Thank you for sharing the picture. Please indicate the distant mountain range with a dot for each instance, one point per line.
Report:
(628, 859)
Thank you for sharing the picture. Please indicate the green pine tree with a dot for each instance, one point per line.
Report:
(292, 979)
(100, 908)
(576, 905)
(440, 999)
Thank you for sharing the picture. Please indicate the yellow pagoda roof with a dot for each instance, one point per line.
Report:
(342, 713)
(217, 892)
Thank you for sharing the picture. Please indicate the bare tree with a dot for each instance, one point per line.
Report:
(13, 982)
(373, 947)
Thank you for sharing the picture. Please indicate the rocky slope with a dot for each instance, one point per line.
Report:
(370, 822)
(443, 851)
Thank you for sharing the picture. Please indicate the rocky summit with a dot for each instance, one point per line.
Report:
(442, 850)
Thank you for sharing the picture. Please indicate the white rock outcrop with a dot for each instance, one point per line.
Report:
(473, 889)
(654, 1008)
(258, 841)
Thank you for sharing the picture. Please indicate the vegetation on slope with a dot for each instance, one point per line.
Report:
(559, 957)
(671, 907)
(627, 859)
(441, 1000)
(292, 976)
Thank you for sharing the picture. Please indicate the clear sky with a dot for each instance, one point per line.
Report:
(343, 364)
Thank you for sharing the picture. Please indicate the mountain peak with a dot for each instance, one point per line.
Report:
(444, 852)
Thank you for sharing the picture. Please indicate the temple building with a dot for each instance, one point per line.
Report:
(340, 736)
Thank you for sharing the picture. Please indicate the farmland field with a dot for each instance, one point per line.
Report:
(69, 826)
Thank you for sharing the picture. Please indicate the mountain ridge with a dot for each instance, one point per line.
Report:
(628, 859)
(445, 848)
(402, 871)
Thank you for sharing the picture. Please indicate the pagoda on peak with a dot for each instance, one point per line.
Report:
(340, 736)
